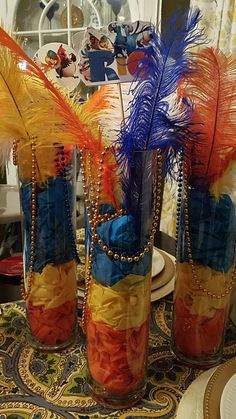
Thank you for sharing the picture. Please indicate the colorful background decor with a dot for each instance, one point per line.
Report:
(60, 63)
(112, 54)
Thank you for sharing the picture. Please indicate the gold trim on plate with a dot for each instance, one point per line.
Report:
(215, 387)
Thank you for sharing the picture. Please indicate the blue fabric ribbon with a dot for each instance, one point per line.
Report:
(53, 236)
(212, 226)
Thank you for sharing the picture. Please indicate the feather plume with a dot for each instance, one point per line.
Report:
(103, 108)
(212, 89)
(17, 95)
(110, 183)
(96, 110)
(34, 107)
(225, 184)
(62, 111)
(111, 119)
(99, 101)
(155, 119)
(149, 124)
(12, 123)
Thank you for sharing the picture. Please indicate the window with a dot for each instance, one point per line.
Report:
(40, 22)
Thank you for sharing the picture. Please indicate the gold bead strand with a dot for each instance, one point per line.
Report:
(87, 201)
(14, 152)
(108, 217)
(148, 247)
(92, 213)
(93, 192)
(179, 201)
(157, 205)
(87, 208)
(90, 216)
(189, 248)
(30, 275)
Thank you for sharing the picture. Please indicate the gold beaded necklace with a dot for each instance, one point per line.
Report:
(184, 176)
(92, 190)
(30, 275)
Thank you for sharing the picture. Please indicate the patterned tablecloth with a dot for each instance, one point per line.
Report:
(39, 385)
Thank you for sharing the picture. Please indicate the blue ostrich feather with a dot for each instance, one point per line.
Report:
(151, 123)
(137, 186)
(155, 120)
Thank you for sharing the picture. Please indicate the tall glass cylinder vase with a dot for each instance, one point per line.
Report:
(205, 274)
(118, 282)
(47, 194)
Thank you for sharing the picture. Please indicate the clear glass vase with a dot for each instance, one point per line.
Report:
(205, 275)
(47, 194)
(118, 280)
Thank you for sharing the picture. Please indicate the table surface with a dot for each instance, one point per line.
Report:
(39, 385)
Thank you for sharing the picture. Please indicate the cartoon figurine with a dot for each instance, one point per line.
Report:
(84, 68)
(145, 40)
(104, 43)
(52, 59)
(120, 40)
(130, 38)
(93, 42)
(136, 37)
(67, 67)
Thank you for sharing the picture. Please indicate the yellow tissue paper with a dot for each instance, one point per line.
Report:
(123, 306)
(54, 286)
(197, 301)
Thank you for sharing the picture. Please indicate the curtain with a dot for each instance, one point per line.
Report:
(219, 21)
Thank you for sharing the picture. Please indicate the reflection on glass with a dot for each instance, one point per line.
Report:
(115, 10)
(55, 37)
(83, 13)
(30, 44)
(27, 15)
(77, 17)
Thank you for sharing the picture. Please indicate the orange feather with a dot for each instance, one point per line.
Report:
(212, 90)
(100, 100)
(83, 137)
(76, 119)
(110, 191)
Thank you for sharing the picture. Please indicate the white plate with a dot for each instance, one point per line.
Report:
(161, 292)
(158, 262)
(228, 399)
(191, 404)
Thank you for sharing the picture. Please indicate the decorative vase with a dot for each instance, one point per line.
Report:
(119, 243)
(205, 274)
(47, 194)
